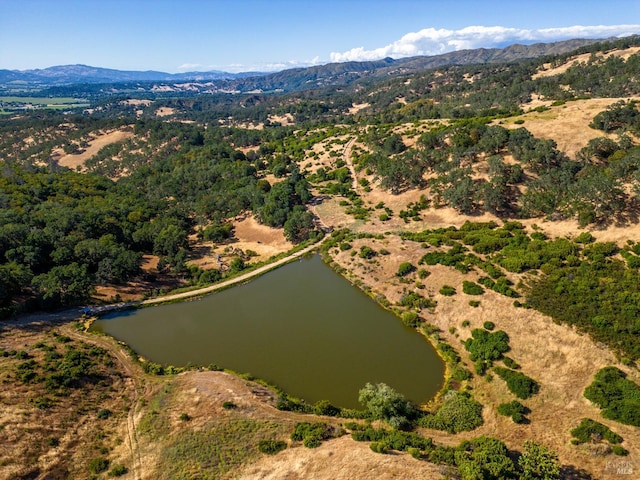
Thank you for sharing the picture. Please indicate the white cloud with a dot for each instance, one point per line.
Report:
(431, 41)
(189, 66)
(271, 67)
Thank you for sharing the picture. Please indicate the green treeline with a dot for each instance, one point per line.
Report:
(62, 232)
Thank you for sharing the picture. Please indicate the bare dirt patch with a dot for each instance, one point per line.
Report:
(249, 235)
(286, 119)
(76, 160)
(165, 112)
(136, 102)
(356, 107)
(339, 459)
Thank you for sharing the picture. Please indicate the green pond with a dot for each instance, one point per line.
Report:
(301, 327)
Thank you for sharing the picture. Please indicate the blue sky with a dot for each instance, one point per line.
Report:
(250, 35)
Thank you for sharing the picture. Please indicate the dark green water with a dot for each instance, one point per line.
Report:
(302, 327)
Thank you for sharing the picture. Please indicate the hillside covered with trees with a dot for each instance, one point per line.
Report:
(434, 190)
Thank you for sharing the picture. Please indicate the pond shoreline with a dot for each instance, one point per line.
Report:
(306, 310)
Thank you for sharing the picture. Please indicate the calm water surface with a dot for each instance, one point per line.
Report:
(302, 327)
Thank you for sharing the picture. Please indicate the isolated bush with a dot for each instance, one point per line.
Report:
(324, 407)
(411, 319)
(416, 301)
(118, 471)
(459, 412)
(367, 252)
(104, 413)
(384, 403)
(513, 409)
(405, 268)
(487, 346)
(589, 430)
(447, 290)
(98, 465)
(311, 434)
(271, 447)
(517, 382)
(472, 288)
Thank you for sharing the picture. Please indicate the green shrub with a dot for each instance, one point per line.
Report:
(53, 441)
(513, 409)
(511, 363)
(405, 268)
(487, 346)
(417, 301)
(411, 319)
(448, 353)
(474, 303)
(460, 373)
(185, 417)
(585, 237)
(312, 434)
(118, 471)
(588, 430)
(459, 412)
(489, 325)
(98, 465)
(384, 403)
(393, 439)
(480, 367)
(618, 450)
(271, 447)
(472, 288)
(422, 273)
(367, 252)
(517, 382)
(379, 447)
(291, 404)
(227, 405)
(104, 413)
(447, 290)
(616, 395)
(324, 407)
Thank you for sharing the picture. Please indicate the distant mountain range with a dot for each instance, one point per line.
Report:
(74, 74)
(287, 80)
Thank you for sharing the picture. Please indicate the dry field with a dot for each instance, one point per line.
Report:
(567, 125)
(76, 160)
(560, 359)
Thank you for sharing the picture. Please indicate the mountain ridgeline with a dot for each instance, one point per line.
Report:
(333, 74)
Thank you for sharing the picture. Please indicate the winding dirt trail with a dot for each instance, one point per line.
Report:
(139, 387)
(346, 156)
(227, 283)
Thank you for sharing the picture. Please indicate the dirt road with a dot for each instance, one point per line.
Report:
(227, 283)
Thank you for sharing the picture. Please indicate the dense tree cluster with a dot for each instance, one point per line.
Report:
(61, 232)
